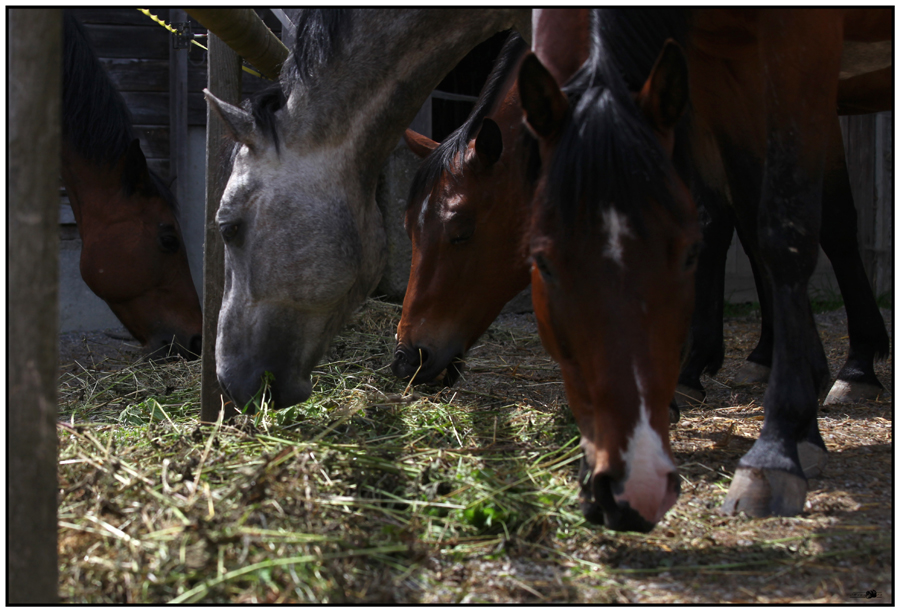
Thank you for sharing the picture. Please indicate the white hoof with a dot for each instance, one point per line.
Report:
(843, 392)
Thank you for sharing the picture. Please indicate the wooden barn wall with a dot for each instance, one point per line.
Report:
(134, 50)
(868, 141)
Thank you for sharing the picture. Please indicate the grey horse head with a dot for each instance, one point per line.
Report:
(304, 240)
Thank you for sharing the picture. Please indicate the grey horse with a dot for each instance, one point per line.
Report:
(304, 240)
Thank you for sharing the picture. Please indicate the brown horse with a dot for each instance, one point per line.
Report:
(468, 205)
(763, 86)
(465, 208)
(613, 239)
(133, 255)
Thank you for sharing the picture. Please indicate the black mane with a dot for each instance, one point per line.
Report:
(318, 33)
(607, 155)
(95, 120)
(442, 157)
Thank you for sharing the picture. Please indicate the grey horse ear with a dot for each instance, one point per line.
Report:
(239, 122)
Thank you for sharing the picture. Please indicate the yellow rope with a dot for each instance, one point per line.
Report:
(174, 31)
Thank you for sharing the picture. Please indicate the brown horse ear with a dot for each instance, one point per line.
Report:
(489, 142)
(419, 144)
(544, 103)
(239, 122)
(135, 173)
(664, 97)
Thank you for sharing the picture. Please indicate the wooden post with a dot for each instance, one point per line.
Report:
(34, 37)
(178, 111)
(225, 83)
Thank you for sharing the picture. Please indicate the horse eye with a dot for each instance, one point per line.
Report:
(168, 239)
(693, 254)
(543, 266)
(461, 239)
(229, 231)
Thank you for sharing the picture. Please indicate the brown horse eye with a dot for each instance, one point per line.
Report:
(543, 266)
(693, 254)
(168, 239)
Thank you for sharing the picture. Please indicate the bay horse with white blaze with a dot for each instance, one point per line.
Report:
(613, 239)
(763, 85)
(133, 255)
(304, 240)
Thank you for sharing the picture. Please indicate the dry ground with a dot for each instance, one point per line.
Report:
(508, 409)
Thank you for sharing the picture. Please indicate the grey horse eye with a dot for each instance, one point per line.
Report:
(229, 231)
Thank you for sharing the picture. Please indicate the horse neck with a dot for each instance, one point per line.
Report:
(389, 63)
(562, 40)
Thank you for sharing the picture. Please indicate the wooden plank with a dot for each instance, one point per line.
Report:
(225, 83)
(131, 16)
(148, 107)
(129, 41)
(178, 111)
(132, 74)
(154, 140)
(34, 82)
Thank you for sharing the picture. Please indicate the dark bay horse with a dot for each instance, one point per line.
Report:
(133, 255)
(304, 240)
(763, 86)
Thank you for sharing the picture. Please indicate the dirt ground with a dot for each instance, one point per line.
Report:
(693, 555)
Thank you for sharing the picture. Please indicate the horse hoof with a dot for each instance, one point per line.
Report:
(812, 459)
(761, 493)
(751, 373)
(844, 392)
(688, 397)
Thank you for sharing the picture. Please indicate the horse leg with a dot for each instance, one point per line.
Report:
(758, 365)
(801, 54)
(706, 347)
(868, 337)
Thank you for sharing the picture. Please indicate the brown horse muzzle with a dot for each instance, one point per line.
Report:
(424, 365)
(599, 505)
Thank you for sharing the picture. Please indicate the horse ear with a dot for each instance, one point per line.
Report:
(489, 142)
(135, 172)
(419, 144)
(544, 103)
(239, 122)
(664, 97)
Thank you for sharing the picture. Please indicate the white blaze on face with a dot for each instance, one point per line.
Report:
(422, 212)
(616, 229)
(647, 466)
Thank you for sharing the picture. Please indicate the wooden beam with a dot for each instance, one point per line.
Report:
(225, 83)
(247, 34)
(178, 114)
(34, 85)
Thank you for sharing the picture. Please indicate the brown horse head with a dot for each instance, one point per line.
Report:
(466, 219)
(132, 252)
(133, 255)
(613, 241)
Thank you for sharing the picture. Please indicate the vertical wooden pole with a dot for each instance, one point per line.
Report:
(34, 37)
(225, 83)
(178, 109)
